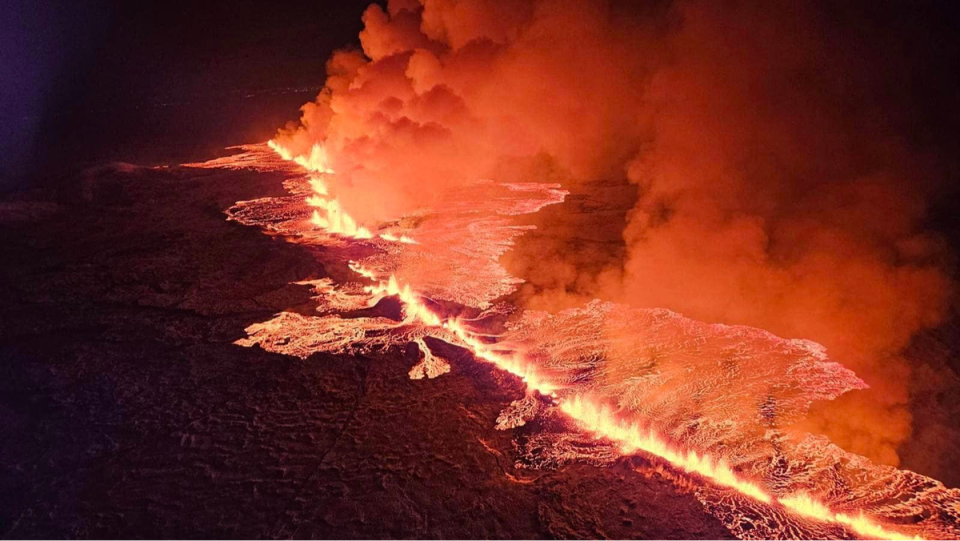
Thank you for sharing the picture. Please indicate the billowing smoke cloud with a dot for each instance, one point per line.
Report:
(779, 179)
(450, 91)
(778, 191)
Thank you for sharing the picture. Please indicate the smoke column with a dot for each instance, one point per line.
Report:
(782, 171)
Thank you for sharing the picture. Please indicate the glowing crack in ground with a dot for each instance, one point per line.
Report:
(710, 403)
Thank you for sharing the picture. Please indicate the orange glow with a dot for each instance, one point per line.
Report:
(416, 311)
(806, 506)
(316, 182)
(337, 221)
(393, 238)
(333, 219)
(431, 366)
(601, 420)
(509, 363)
(589, 411)
(361, 270)
(283, 152)
(316, 161)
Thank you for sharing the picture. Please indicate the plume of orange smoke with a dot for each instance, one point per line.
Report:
(777, 185)
(769, 199)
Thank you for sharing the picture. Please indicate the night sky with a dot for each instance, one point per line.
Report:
(156, 81)
(159, 81)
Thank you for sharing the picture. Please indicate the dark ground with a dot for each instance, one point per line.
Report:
(128, 412)
(126, 409)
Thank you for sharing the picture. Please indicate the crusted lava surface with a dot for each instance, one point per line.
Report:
(129, 412)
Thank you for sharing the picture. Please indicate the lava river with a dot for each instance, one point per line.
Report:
(710, 406)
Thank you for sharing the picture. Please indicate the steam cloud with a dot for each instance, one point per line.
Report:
(780, 179)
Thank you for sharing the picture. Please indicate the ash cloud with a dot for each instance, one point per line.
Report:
(779, 190)
(783, 159)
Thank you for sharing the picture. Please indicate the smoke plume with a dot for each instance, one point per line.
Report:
(780, 164)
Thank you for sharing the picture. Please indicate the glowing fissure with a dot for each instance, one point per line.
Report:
(568, 358)
(328, 214)
(807, 506)
(416, 311)
(600, 420)
(591, 415)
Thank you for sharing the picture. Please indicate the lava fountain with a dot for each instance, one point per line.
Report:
(748, 211)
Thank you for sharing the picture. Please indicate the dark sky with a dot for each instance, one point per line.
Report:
(87, 81)
(151, 81)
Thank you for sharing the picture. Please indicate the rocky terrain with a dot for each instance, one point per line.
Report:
(129, 412)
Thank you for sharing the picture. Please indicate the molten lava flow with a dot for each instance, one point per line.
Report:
(315, 161)
(600, 420)
(714, 402)
(361, 270)
(805, 505)
(329, 215)
(416, 311)
(334, 219)
(393, 238)
(430, 366)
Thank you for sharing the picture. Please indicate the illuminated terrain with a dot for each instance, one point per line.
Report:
(499, 269)
(715, 403)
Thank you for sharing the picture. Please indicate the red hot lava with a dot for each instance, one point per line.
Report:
(712, 401)
(758, 198)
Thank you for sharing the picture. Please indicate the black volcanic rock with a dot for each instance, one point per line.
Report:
(128, 411)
